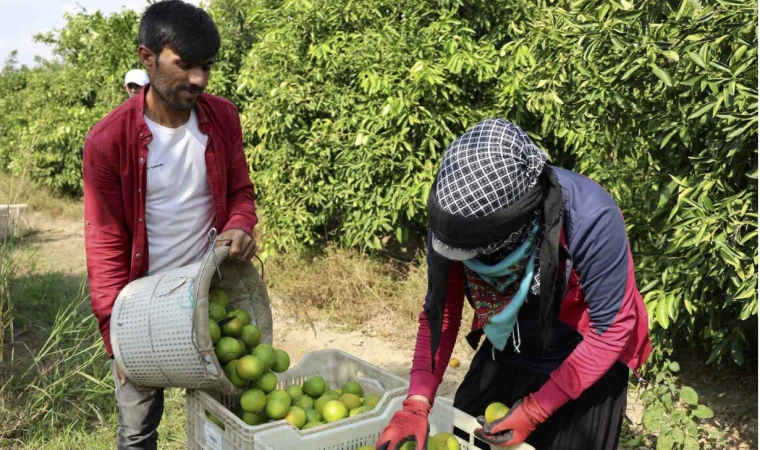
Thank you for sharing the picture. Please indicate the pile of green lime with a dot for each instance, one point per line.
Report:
(252, 365)
(237, 345)
(303, 406)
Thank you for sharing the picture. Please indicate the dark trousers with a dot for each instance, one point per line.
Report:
(592, 422)
(139, 415)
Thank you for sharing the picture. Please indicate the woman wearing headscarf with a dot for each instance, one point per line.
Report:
(542, 256)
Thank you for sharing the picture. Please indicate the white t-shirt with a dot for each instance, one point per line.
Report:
(179, 207)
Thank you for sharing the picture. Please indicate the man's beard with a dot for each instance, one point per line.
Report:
(172, 96)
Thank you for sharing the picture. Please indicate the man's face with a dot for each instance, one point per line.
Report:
(179, 83)
(133, 89)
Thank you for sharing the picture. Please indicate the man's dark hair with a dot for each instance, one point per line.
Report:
(183, 28)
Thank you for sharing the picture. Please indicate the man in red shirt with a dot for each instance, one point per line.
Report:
(160, 171)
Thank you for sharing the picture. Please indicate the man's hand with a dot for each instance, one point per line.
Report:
(123, 380)
(242, 246)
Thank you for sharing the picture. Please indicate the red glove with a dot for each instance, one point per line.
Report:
(409, 424)
(516, 426)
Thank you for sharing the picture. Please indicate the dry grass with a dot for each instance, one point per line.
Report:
(21, 190)
(351, 290)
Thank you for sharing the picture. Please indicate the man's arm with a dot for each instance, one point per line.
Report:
(106, 240)
(240, 193)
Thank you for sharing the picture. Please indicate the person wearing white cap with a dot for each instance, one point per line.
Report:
(134, 81)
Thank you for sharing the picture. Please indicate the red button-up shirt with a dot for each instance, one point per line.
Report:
(115, 153)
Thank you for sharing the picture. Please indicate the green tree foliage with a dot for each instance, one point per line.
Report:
(659, 104)
(347, 107)
(47, 118)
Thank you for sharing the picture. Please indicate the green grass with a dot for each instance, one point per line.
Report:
(102, 434)
(56, 390)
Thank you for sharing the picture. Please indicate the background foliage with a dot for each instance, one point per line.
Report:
(347, 107)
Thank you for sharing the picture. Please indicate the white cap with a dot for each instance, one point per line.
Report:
(136, 76)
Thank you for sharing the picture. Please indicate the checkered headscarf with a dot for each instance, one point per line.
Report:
(493, 184)
(487, 169)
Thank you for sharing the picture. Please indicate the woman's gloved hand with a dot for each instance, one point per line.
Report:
(409, 424)
(516, 426)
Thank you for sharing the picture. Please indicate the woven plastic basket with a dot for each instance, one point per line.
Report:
(159, 325)
(335, 366)
(443, 418)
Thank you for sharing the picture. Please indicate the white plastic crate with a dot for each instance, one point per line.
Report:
(335, 366)
(13, 221)
(443, 418)
(159, 325)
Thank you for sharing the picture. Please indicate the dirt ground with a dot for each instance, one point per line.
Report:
(57, 244)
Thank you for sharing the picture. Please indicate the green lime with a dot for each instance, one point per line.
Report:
(294, 391)
(352, 387)
(215, 420)
(312, 425)
(360, 410)
(253, 400)
(230, 371)
(216, 311)
(265, 353)
(352, 401)
(444, 441)
(314, 387)
(296, 417)
(371, 400)
(278, 405)
(496, 411)
(312, 415)
(334, 411)
(233, 328)
(215, 332)
(254, 418)
(241, 315)
(249, 368)
(331, 394)
(251, 335)
(227, 349)
(266, 382)
(281, 361)
(304, 401)
(219, 296)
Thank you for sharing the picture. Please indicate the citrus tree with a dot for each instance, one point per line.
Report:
(347, 107)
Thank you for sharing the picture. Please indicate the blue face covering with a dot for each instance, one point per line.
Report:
(501, 276)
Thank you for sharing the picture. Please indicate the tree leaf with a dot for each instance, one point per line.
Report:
(690, 443)
(716, 352)
(674, 366)
(664, 442)
(737, 350)
(703, 412)
(689, 396)
(677, 434)
(701, 111)
(652, 419)
(671, 55)
(692, 428)
(661, 74)
(697, 59)
(662, 313)
(634, 442)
